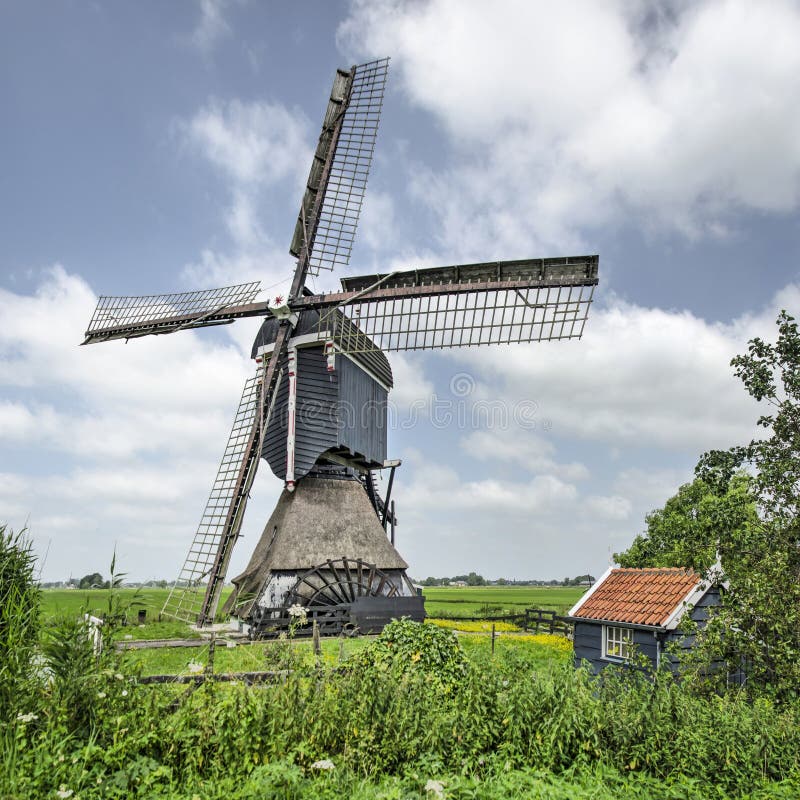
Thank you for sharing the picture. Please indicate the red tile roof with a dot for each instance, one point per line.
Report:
(638, 596)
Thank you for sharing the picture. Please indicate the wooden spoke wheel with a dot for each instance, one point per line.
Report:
(340, 582)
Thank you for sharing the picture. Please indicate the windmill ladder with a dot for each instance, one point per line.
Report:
(195, 595)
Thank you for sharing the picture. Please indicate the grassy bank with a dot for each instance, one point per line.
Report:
(414, 706)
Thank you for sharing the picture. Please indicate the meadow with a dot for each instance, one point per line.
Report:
(448, 603)
(440, 601)
(480, 601)
(418, 712)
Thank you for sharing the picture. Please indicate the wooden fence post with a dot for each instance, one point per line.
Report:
(315, 637)
(212, 645)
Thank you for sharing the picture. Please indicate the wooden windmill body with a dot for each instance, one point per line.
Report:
(316, 408)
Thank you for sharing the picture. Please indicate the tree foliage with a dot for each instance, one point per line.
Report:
(692, 527)
(744, 506)
(760, 618)
(92, 581)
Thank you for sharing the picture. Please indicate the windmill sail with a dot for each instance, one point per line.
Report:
(503, 302)
(330, 232)
(212, 539)
(131, 317)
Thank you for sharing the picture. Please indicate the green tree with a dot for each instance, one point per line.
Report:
(760, 617)
(94, 579)
(693, 526)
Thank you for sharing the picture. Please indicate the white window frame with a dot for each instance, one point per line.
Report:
(617, 643)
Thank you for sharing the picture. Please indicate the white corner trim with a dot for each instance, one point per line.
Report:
(305, 340)
(573, 612)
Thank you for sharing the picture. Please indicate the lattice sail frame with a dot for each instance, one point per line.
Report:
(335, 226)
(185, 600)
(131, 317)
(469, 305)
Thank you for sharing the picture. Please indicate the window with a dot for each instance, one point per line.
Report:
(617, 642)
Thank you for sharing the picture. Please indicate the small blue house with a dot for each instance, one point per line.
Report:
(638, 610)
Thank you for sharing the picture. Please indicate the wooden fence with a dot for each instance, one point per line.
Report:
(546, 620)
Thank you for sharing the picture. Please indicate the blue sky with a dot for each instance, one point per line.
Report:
(159, 147)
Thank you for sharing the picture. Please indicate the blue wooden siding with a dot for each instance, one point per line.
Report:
(345, 408)
(588, 641)
(588, 645)
(362, 411)
(699, 614)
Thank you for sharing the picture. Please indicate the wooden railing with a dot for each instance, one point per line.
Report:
(547, 620)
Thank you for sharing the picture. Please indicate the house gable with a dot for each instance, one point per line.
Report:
(642, 606)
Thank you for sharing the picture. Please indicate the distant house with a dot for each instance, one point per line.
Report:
(638, 610)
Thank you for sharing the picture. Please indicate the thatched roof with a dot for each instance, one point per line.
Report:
(322, 519)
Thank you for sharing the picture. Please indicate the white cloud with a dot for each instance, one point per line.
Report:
(525, 448)
(638, 377)
(252, 143)
(410, 385)
(439, 487)
(211, 27)
(565, 116)
(255, 146)
(612, 507)
(124, 440)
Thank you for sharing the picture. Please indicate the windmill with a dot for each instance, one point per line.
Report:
(316, 407)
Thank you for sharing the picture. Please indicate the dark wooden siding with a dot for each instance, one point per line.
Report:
(344, 408)
(362, 411)
(371, 357)
(273, 448)
(317, 393)
(698, 614)
(588, 645)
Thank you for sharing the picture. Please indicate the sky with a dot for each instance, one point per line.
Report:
(159, 147)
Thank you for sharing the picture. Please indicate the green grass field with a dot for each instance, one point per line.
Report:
(444, 602)
(470, 601)
(447, 601)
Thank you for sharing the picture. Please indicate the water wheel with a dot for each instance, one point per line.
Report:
(340, 582)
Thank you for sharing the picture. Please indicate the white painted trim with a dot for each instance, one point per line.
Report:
(305, 340)
(290, 427)
(604, 643)
(573, 612)
(310, 339)
(691, 598)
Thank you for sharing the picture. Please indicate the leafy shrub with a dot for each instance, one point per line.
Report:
(405, 646)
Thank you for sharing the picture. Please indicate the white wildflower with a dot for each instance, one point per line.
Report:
(436, 788)
(63, 792)
(195, 668)
(325, 763)
(101, 695)
(27, 717)
(124, 692)
(298, 612)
